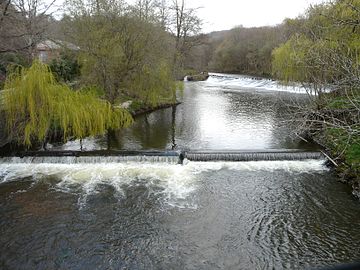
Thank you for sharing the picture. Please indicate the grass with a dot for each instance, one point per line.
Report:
(337, 101)
(347, 151)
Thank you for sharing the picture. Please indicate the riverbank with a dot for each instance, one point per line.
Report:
(150, 109)
(345, 157)
(339, 135)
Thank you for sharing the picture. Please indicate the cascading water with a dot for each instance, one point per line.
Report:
(173, 171)
(173, 157)
(239, 81)
(252, 156)
(90, 159)
(175, 180)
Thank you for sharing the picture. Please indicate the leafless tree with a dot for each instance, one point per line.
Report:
(145, 9)
(186, 24)
(163, 13)
(23, 24)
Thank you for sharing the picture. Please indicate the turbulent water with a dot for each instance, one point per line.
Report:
(237, 82)
(152, 213)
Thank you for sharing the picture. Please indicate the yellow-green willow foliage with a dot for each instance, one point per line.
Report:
(36, 107)
(289, 59)
(325, 47)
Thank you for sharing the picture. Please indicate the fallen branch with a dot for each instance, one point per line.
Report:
(330, 159)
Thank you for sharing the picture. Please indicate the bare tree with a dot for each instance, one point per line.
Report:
(145, 9)
(185, 25)
(163, 13)
(23, 24)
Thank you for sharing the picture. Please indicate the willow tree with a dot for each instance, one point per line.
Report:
(325, 48)
(37, 107)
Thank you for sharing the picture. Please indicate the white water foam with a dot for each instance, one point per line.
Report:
(245, 82)
(303, 166)
(176, 182)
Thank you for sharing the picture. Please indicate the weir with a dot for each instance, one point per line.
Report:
(173, 157)
(76, 157)
(271, 155)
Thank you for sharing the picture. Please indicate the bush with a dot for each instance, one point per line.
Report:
(66, 68)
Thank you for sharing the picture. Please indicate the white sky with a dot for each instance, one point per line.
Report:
(225, 14)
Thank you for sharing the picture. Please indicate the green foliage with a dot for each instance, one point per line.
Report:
(341, 141)
(93, 90)
(8, 61)
(36, 106)
(123, 54)
(190, 72)
(353, 154)
(289, 59)
(66, 68)
(136, 105)
(339, 103)
(156, 86)
(343, 102)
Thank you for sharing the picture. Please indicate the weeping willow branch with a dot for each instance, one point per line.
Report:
(36, 106)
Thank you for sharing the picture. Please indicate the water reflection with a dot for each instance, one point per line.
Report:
(211, 116)
(215, 118)
(155, 131)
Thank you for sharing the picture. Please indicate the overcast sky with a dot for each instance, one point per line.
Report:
(225, 14)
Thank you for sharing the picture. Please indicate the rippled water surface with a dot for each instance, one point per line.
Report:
(214, 215)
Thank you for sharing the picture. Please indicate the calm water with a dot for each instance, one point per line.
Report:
(221, 113)
(246, 215)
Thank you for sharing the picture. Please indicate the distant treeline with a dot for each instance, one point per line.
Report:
(247, 50)
(241, 50)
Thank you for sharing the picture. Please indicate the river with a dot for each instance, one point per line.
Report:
(211, 215)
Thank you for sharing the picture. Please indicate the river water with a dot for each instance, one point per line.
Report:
(213, 215)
